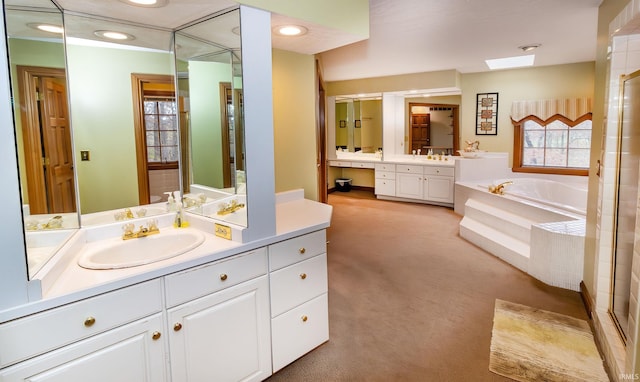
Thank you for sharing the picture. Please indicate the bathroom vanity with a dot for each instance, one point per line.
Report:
(222, 311)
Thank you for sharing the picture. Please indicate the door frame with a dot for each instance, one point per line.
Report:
(31, 135)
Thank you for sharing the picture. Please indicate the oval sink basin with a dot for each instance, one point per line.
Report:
(140, 251)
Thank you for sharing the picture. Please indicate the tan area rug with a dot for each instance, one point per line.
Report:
(529, 344)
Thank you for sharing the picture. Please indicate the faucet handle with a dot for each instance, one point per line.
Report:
(128, 228)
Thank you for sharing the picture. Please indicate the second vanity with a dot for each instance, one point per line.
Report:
(225, 311)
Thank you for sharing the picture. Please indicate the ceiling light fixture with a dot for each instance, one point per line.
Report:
(47, 28)
(290, 30)
(146, 3)
(510, 62)
(111, 35)
(529, 47)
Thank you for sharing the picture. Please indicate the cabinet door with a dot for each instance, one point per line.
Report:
(439, 189)
(224, 336)
(409, 185)
(385, 187)
(134, 352)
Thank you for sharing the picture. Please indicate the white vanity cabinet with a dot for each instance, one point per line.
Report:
(219, 320)
(438, 184)
(116, 336)
(409, 181)
(385, 175)
(299, 302)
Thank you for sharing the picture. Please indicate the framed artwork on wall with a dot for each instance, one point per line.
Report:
(487, 114)
(343, 123)
(358, 123)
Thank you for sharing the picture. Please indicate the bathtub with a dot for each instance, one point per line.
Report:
(537, 225)
(563, 196)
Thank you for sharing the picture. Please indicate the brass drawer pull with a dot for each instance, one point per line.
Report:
(156, 335)
(304, 318)
(177, 326)
(303, 276)
(302, 251)
(223, 276)
(89, 321)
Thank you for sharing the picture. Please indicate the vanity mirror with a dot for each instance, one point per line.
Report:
(358, 123)
(116, 90)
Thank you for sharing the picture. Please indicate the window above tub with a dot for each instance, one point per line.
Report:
(552, 136)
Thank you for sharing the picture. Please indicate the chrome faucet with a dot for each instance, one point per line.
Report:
(499, 189)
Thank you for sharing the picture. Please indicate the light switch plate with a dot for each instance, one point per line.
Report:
(84, 155)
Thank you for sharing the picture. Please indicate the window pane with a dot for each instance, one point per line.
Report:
(169, 138)
(579, 158)
(557, 125)
(580, 139)
(583, 125)
(531, 125)
(556, 157)
(557, 138)
(167, 107)
(533, 139)
(153, 154)
(170, 154)
(167, 122)
(150, 107)
(533, 157)
(150, 122)
(152, 138)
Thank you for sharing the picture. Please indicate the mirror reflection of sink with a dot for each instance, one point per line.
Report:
(106, 217)
(116, 254)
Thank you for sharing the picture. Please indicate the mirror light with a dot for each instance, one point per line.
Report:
(111, 35)
(48, 28)
(290, 30)
(146, 3)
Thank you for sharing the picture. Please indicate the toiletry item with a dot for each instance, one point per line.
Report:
(170, 202)
(179, 221)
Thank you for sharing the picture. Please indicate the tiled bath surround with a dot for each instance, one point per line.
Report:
(624, 59)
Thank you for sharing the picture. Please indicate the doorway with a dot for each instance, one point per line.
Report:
(46, 134)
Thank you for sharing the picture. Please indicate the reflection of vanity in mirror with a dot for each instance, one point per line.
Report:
(128, 153)
(358, 124)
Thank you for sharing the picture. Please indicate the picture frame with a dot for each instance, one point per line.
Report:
(343, 123)
(487, 114)
(358, 123)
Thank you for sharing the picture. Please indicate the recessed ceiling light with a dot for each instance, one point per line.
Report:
(146, 3)
(529, 47)
(47, 28)
(510, 62)
(290, 30)
(112, 35)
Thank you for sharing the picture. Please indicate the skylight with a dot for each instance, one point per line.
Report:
(510, 62)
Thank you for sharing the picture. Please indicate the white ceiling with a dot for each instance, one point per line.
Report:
(406, 36)
(413, 36)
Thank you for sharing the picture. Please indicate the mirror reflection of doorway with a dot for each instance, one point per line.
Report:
(231, 104)
(46, 140)
(433, 126)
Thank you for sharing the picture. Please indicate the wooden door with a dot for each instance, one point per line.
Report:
(420, 124)
(58, 152)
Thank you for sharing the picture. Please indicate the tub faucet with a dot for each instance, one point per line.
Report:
(499, 189)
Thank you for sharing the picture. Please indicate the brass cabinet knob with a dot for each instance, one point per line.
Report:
(223, 276)
(303, 276)
(89, 321)
(156, 335)
(177, 326)
(302, 251)
(304, 318)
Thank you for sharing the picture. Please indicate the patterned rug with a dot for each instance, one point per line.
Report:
(529, 344)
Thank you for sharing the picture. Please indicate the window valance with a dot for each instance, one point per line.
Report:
(546, 110)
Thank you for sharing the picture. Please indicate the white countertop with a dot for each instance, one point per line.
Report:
(67, 282)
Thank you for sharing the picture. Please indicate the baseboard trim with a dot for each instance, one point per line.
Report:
(362, 188)
(586, 299)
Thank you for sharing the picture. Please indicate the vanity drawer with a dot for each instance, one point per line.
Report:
(362, 165)
(385, 187)
(293, 285)
(52, 329)
(385, 167)
(441, 171)
(299, 331)
(385, 174)
(339, 163)
(297, 249)
(409, 169)
(200, 281)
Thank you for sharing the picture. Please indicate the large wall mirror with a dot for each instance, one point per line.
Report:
(108, 133)
(358, 123)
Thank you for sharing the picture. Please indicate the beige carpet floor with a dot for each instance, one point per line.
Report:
(531, 345)
(409, 300)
